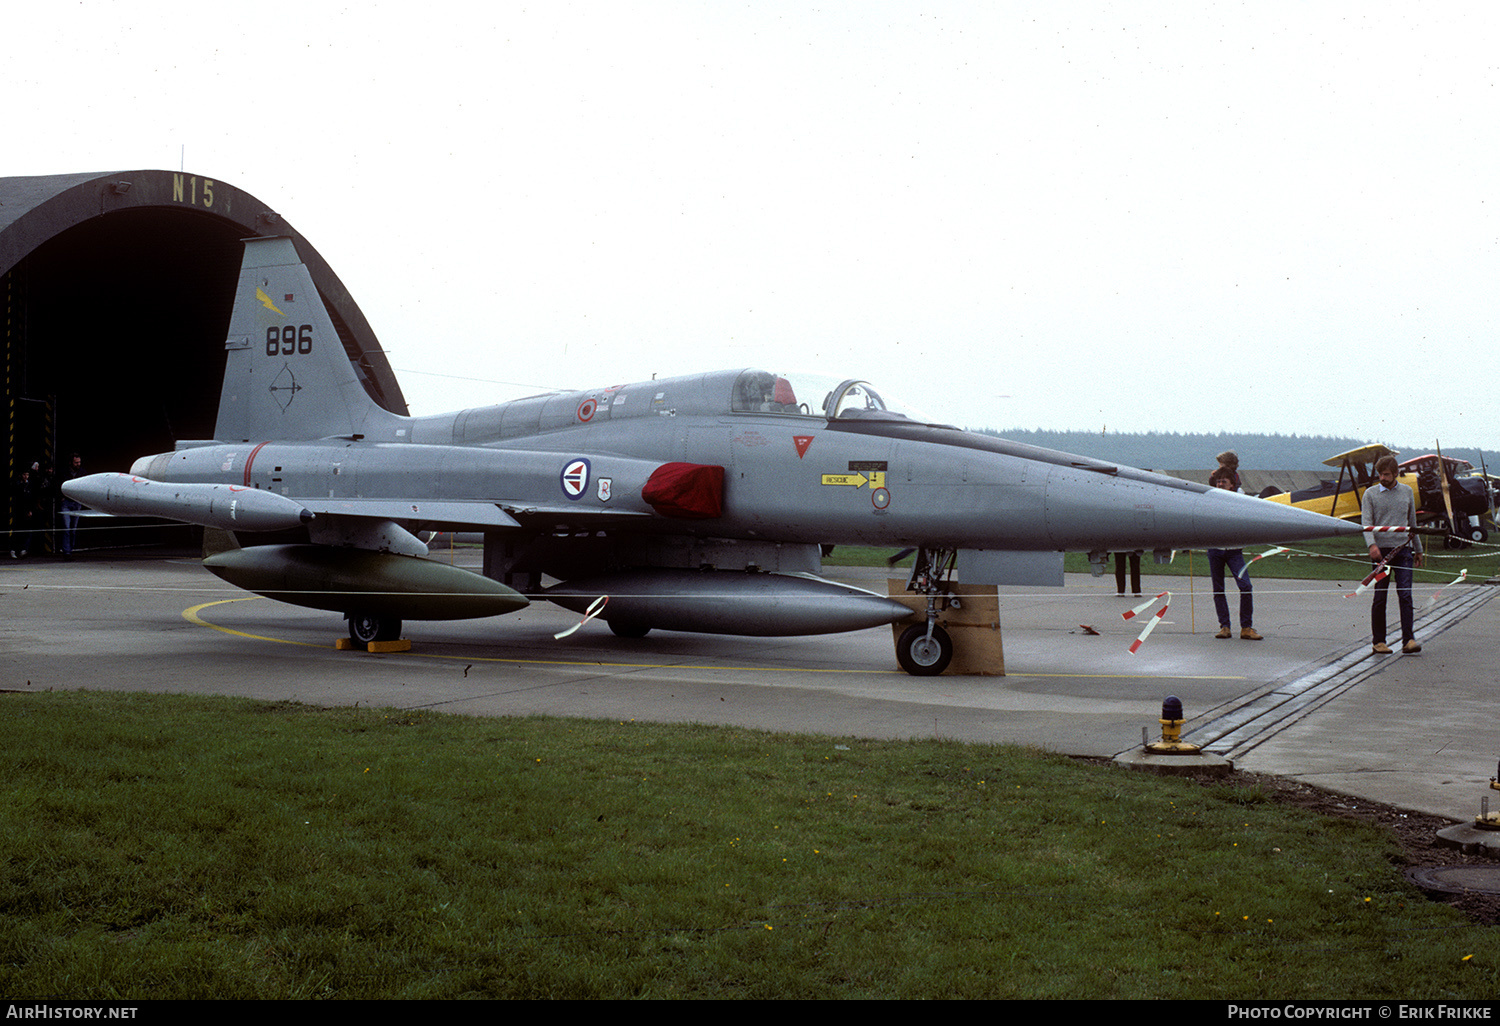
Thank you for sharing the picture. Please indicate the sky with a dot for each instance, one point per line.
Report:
(1191, 216)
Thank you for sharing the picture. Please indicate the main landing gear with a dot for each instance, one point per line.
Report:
(925, 650)
(1462, 534)
(367, 627)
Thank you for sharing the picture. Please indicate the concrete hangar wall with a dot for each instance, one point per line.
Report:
(115, 295)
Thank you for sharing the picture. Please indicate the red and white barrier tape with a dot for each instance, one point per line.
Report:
(1151, 622)
(1376, 574)
(1256, 559)
(1144, 605)
(593, 610)
(1457, 580)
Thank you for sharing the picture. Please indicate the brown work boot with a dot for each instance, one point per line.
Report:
(1381, 648)
(1224, 632)
(1412, 647)
(1249, 634)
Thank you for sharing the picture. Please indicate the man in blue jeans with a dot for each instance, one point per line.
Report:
(1234, 560)
(71, 508)
(1392, 504)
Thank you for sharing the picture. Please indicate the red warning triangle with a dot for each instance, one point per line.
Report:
(802, 442)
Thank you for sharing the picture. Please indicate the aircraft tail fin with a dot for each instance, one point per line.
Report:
(286, 375)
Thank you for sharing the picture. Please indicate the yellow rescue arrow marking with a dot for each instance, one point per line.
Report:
(875, 480)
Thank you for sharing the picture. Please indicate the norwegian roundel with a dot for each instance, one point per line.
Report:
(575, 479)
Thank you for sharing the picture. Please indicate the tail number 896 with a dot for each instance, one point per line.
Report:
(292, 339)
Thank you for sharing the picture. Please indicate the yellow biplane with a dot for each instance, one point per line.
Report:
(1445, 500)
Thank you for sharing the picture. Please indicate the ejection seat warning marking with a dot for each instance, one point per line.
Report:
(861, 473)
(575, 479)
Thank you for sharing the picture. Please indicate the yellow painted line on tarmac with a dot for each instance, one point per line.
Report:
(192, 616)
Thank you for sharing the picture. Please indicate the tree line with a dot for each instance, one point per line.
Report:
(1175, 450)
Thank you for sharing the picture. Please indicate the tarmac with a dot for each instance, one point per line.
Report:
(1310, 701)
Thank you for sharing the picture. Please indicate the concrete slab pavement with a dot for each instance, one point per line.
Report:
(1411, 731)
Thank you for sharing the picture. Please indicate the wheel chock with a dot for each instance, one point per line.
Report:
(399, 645)
(350, 645)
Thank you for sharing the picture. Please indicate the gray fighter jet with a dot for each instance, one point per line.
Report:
(696, 503)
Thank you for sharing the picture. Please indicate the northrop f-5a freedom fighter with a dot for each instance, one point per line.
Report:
(695, 503)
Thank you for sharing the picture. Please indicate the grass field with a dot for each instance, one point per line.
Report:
(181, 847)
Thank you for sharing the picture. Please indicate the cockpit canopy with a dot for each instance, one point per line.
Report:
(815, 395)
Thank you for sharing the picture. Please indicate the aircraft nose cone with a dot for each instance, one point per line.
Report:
(1229, 520)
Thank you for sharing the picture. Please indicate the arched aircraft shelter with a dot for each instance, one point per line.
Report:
(115, 295)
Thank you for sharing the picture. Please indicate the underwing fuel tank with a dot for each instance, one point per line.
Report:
(753, 604)
(375, 583)
(230, 507)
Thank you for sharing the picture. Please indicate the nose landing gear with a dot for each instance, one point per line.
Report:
(925, 650)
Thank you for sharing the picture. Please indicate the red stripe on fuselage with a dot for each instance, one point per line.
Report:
(250, 460)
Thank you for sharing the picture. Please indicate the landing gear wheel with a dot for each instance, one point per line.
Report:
(922, 656)
(627, 629)
(366, 627)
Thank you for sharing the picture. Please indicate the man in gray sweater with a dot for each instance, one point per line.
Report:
(1392, 504)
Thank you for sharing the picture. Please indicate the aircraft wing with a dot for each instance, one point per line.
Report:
(1364, 454)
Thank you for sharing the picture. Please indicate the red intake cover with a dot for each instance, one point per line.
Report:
(689, 490)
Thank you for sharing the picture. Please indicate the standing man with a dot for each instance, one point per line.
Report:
(1392, 504)
(70, 508)
(26, 500)
(1218, 559)
(1135, 572)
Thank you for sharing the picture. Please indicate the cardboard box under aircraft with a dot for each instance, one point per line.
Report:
(974, 626)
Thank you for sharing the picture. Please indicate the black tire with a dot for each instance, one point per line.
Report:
(628, 629)
(365, 628)
(921, 656)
